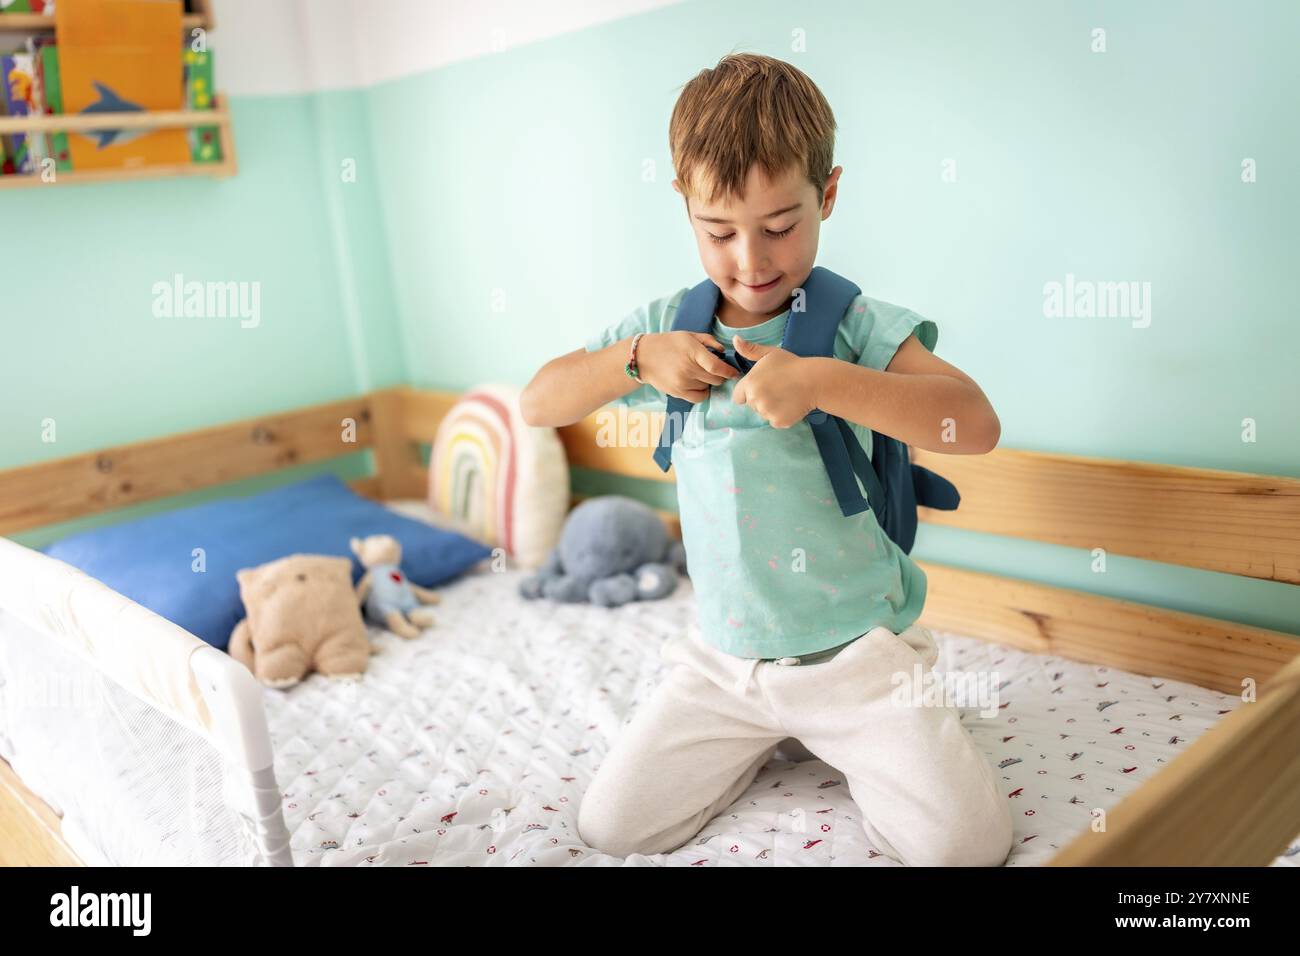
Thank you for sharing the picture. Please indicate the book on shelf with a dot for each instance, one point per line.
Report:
(205, 143)
(121, 57)
(16, 82)
(26, 6)
(49, 99)
(31, 79)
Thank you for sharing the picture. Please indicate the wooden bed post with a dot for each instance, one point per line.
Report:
(397, 464)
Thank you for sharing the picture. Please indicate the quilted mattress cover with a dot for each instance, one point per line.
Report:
(473, 744)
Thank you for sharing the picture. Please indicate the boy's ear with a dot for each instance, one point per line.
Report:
(829, 192)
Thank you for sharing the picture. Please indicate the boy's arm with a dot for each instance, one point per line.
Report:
(569, 388)
(919, 399)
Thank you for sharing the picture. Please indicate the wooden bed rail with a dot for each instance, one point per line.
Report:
(1041, 619)
(1226, 521)
(96, 481)
(1232, 798)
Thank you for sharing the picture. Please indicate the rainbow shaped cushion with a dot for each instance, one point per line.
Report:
(504, 482)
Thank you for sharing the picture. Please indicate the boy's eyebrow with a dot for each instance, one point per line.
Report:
(727, 222)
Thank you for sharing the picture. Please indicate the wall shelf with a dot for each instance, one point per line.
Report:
(218, 116)
(44, 22)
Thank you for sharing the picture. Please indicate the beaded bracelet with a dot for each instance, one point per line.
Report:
(631, 369)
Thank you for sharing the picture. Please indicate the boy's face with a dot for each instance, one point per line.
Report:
(757, 251)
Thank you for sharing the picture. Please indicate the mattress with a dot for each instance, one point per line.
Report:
(473, 744)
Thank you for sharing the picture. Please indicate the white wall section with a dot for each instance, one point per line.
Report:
(349, 44)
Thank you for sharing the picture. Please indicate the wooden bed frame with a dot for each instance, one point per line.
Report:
(1232, 798)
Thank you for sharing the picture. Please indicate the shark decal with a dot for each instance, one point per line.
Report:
(110, 102)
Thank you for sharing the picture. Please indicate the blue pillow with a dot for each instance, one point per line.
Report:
(150, 560)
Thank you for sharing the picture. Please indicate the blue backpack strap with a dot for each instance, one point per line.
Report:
(893, 484)
(826, 297)
(843, 457)
(694, 314)
(811, 332)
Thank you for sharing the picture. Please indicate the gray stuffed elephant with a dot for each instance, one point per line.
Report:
(612, 550)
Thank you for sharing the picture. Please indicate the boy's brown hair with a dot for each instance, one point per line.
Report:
(749, 109)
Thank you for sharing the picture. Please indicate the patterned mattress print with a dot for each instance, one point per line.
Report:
(474, 743)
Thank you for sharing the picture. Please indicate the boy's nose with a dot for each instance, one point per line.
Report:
(750, 260)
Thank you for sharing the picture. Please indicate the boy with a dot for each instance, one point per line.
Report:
(805, 615)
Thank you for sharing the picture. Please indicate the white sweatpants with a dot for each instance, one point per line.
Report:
(927, 796)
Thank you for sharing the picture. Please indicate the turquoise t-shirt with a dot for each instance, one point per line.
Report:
(778, 571)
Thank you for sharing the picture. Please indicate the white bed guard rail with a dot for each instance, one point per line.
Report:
(152, 745)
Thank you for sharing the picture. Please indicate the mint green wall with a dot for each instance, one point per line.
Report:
(522, 172)
(80, 344)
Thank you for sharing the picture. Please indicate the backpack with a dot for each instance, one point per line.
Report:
(894, 486)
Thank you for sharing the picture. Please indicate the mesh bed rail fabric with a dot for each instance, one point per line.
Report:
(102, 716)
(133, 786)
(142, 652)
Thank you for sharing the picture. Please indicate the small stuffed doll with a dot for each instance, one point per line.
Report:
(390, 599)
(302, 616)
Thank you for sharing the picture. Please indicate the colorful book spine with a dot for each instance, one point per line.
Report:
(51, 92)
(16, 88)
(26, 6)
(37, 143)
(7, 167)
(205, 143)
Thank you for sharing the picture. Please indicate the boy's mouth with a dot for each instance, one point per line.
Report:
(761, 288)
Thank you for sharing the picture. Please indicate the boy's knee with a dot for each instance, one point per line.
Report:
(991, 849)
(983, 841)
(610, 827)
(972, 832)
(982, 832)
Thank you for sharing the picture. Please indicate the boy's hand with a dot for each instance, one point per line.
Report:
(779, 387)
(680, 363)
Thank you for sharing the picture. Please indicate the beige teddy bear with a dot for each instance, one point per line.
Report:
(302, 616)
(391, 600)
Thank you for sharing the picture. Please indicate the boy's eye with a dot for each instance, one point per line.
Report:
(775, 235)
